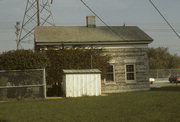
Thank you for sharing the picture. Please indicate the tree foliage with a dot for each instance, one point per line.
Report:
(22, 59)
(55, 61)
(74, 59)
(160, 58)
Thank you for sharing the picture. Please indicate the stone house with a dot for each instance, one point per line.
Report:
(127, 45)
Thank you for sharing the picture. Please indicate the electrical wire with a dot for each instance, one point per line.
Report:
(164, 19)
(102, 20)
(116, 32)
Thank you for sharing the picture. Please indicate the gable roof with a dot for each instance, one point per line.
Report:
(73, 34)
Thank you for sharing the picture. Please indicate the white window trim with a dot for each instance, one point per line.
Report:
(130, 81)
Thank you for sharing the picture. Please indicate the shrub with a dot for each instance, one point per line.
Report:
(74, 59)
(22, 59)
(55, 61)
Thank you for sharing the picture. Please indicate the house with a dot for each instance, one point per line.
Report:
(127, 46)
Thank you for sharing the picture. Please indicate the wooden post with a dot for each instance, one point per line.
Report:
(44, 82)
(38, 14)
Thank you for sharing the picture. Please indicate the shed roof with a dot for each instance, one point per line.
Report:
(80, 71)
(71, 34)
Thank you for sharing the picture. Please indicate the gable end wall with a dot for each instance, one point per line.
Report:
(119, 57)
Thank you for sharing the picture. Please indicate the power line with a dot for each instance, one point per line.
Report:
(102, 20)
(164, 19)
(157, 30)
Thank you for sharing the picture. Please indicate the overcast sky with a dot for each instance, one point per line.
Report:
(114, 12)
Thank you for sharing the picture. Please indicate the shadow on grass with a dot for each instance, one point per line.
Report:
(167, 88)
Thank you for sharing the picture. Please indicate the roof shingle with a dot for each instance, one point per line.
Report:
(85, 34)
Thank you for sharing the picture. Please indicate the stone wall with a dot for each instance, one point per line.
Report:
(120, 57)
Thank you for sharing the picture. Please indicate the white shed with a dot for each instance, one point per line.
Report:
(77, 83)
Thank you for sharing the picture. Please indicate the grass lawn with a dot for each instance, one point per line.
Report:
(157, 105)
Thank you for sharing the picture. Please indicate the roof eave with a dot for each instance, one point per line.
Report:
(94, 43)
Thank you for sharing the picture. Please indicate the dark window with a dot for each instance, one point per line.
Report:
(110, 73)
(130, 74)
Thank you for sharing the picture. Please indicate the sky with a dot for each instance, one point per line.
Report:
(114, 12)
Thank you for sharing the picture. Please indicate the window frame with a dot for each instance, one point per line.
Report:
(111, 73)
(134, 72)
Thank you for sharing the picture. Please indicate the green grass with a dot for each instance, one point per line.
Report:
(157, 105)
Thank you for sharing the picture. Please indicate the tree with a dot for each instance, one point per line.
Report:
(160, 58)
(74, 59)
(55, 61)
(22, 59)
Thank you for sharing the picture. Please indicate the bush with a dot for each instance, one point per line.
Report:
(74, 59)
(55, 61)
(22, 59)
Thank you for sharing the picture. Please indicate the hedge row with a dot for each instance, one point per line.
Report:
(22, 59)
(74, 59)
(55, 61)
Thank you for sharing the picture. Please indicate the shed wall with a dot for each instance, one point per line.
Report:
(76, 85)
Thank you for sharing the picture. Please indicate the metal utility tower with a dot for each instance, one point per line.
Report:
(37, 13)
